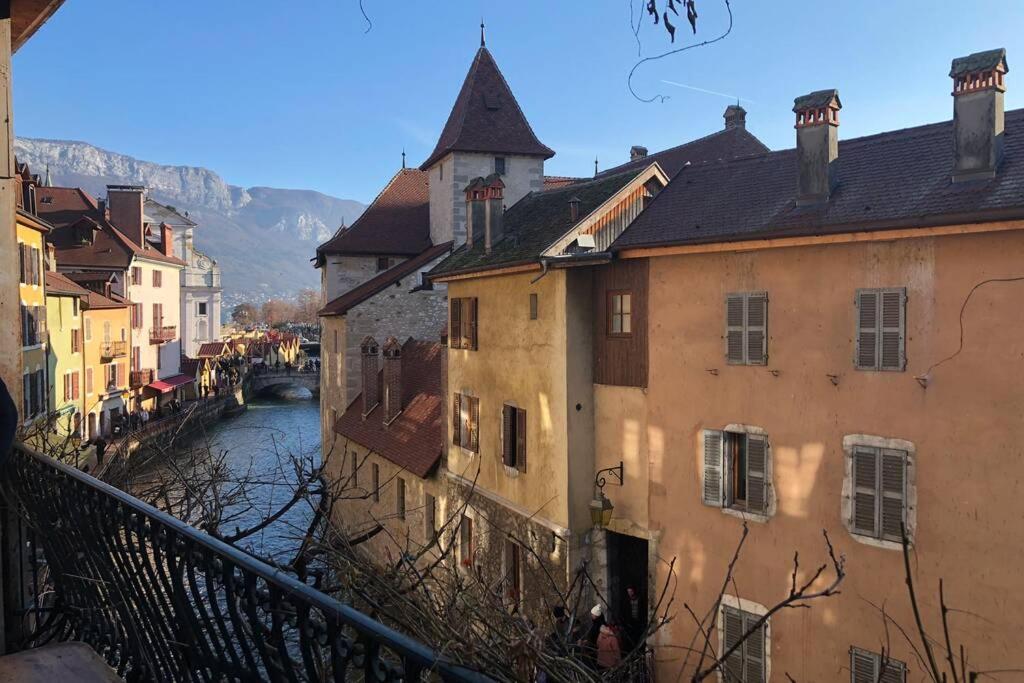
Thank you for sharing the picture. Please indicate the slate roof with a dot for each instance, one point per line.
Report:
(396, 222)
(533, 223)
(724, 144)
(553, 181)
(415, 438)
(486, 117)
(361, 293)
(898, 179)
(157, 213)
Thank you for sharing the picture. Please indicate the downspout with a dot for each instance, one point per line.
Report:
(543, 271)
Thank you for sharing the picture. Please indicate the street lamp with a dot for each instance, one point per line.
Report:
(600, 507)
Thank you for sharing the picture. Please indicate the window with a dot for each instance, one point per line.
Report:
(881, 325)
(747, 663)
(34, 394)
(88, 329)
(74, 307)
(400, 498)
(136, 275)
(440, 169)
(158, 316)
(355, 468)
(879, 493)
(159, 361)
(466, 548)
(383, 263)
(201, 308)
(466, 422)
(462, 317)
(736, 471)
(429, 517)
(499, 165)
(620, 313)
(512, 571)
(88, 381)
(30, 272)
(866, 667)
(375, 472)
(110, 376)
(335, 341)
(158, 278)
(533, 306)
(76, 341)
(136, 316)
(746, 328)
(33, 325)
(513, 437)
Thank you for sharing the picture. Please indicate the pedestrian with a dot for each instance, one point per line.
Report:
(609, 649)
(555, 643)
(635, 618)
(588, 644)
(101, 448)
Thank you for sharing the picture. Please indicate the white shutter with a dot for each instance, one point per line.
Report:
(757, 328)
(734, 332)
(865, 491)
(713, 467)
(757, 473)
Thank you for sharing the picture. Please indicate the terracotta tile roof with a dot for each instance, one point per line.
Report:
(213, 349)
(59, 283)
(190, 366)
(415, 438)
(724, 144)
(361, 293)
(396, 222)
(62, 206)
(555, 181)
(532, 224)
(898, 179)
(486, 117)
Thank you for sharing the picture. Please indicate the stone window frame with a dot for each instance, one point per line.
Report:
(850, 441)
(771, 499)
(750, 607)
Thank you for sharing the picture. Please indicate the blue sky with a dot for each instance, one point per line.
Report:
(265, 94)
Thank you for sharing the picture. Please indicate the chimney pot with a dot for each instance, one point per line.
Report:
(371, 386)
(978, 88)
(637, 152)
(817, 144)
(574, 209)
(735, 117)
(392, 379)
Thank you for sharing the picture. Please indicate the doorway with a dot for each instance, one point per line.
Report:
(627, 568)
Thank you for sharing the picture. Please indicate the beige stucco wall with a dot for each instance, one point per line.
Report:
(168, 294)
(966, 427)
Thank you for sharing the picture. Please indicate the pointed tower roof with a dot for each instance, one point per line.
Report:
(486, 117)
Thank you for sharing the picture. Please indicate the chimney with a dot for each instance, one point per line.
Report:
(574, 209)
(475, 210)
(637, 152)
(108, 287)
(167, 239)
(735, 117)
(125, 202)
(495, 193)
(371, 387)
(978, 87)
(392, 379)
(817, 144)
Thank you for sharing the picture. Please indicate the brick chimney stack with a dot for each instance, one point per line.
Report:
(978, 87)
(817, 145)
(167, 239)
(735, 117)
(371, 387)
(392, 379)
(124, 203)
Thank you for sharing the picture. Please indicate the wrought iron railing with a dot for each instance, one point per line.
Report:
(162, 601)
(139, 378)
(113, 349)
(162, 333)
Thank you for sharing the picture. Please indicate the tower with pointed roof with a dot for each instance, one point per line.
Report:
(486, 133)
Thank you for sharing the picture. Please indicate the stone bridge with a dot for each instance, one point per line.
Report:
(263, 382)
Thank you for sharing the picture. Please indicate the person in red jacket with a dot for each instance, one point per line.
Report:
(609, 648)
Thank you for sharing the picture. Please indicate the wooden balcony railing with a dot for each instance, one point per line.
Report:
(114, 349)
(163, 333)
(140, 378)
(162, 601)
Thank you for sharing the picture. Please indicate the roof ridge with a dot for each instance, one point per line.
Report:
(682, 145)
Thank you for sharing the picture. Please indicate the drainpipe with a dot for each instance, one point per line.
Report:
(543, 272)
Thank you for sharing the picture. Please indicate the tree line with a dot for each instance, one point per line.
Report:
(275, 311)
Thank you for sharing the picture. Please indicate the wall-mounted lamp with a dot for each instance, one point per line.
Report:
(601, 508)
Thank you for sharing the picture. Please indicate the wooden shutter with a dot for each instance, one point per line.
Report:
(733, 627)
(893, 493)
(75, 386)
(88, 380)
(713, 467)
(120, 374)
(474, 424)
(455, 317)
(472, 324)
(895, 672)
(867, 330)
(757, 473)
(865, 490)
(67, 386)
(22, 261)
(507, 437)
(862, 667)
(521, 439)
(753, 650)
(734, 328)
(757, 328)
(457, 419)
(893, 308)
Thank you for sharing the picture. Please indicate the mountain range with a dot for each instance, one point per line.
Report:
(262, 237)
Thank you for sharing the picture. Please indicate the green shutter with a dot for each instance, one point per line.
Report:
(757, 473)
(757, 328)
(865, 491)
(734, 331)
(713, 467)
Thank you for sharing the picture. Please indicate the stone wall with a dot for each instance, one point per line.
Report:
(344, 272)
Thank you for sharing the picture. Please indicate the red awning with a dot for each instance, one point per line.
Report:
(170, 383)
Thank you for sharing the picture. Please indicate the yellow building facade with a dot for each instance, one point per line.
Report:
(66, 357)
(106, 324)
(31, 236)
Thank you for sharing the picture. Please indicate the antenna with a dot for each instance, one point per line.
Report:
(595, 166)
(483, 42)
(403, 157)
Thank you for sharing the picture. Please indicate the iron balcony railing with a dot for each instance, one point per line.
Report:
(140, 378)
(162, 601)
(162, 333)
(113, 349)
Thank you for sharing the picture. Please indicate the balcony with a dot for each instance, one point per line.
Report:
(163, 333)
(140, 378)
(160, 600)
(114, 349)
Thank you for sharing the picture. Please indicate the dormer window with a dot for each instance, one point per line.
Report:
(499, 165)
